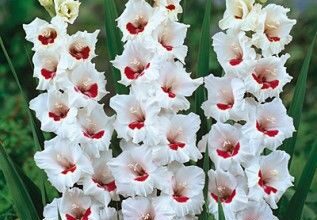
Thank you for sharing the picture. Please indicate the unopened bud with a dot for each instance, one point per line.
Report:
(46, 3)
(262, 1)
(68, 9)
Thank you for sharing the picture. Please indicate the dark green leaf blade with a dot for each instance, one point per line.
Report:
(221, 214)
(114, 44)
(295, 110)
(38, 136)
(200, 94)
(297, 202)
(23, 203)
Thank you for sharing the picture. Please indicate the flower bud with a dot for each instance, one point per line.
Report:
(68, 9)
(262, 1)
(46, 3)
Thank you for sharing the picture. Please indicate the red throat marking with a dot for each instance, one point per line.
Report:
(171, 7)
(180, 199)
(270, 133)
(267, 189)
(45, 40)
(84, 217)
(47, 74)
(235, 61)
(133, 29)
(228, 154)
(224, 200)
(80, 54)
(265, 84)
(224, 107)
(91, 92)
(71, 169)
(97, 135)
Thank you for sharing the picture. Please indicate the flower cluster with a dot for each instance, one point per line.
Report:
(75, 160)
(156, 139)
(250, 174)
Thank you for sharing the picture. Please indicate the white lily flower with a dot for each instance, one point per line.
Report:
(46, 36)
(136, 174)
(140, 208)
(64, 163)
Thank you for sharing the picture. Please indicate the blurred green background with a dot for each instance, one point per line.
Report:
(14, 126)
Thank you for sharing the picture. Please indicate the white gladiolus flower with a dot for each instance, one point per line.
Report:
(79, 48)
(101, 184)
(225, 99)
(274, 31)
(239, 14)
(75, 205)
(229, 190)
(94, 129)
(85, 84)
(147, 208)
(171, 88)
(172, 7)
(256, 210)
(67, 9)
(180, 140)
(137, 121)
(185, 193)
(136, 174)
(48, 70)
(170, 37)
(108, 214)
(46, 36)
(137, 63)
(51, 210)
(269, 178)
(270, 124)
(268, 77)
(139, 19)
(228, 146)
(55, 112)
(64, 163)
(234, 52)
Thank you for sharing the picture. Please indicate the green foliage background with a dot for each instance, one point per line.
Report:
(15, 130)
